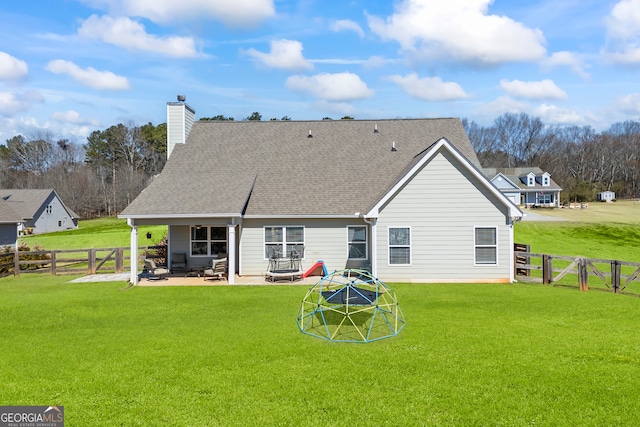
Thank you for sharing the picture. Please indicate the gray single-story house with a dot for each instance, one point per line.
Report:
(404, 199)
(9, 222)
(40, 210)
(526, 186)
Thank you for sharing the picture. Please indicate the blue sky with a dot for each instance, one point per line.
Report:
(69, 67)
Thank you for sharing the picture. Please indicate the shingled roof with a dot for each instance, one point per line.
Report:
(26, 202)
(8, 215)
(290, 168)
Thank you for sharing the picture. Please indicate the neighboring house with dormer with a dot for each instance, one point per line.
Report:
(40, 211)
(526, 186)
(404, 199)
(9, 223)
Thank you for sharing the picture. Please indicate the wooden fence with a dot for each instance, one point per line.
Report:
(613, 275)
(75, 261)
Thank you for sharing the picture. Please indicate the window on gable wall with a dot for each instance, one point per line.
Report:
(486, 246)
(399, 246)
(49, 209)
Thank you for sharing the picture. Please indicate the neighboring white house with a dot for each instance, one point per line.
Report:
(606, 196)
(40, 211)
(526, 186)
(404, 199)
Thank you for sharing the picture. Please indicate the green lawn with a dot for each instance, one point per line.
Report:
(107, 232)
(509, 355)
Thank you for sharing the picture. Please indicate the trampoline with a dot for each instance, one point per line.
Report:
(350, 306)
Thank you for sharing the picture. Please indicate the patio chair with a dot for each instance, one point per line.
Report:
(179, 262)
(154, 272)
(217, 269)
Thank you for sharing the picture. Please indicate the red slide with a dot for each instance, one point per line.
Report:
(318, 269)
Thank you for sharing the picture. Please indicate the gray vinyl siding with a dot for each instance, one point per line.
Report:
(442, 204)
(8, 234)
(325, 239)
(57, 220)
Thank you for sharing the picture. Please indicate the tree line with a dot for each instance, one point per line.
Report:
(580, 159)
(103, 175)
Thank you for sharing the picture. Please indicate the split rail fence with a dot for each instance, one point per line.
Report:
(606, 274)
(75, 261)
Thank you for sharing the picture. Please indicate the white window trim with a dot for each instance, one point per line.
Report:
(208, 240)
(284, 237)
(366, 242)
(497, 246)
(410, 246)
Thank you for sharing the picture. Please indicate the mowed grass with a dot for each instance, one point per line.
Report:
(499, 355)
(603, 230)
(107, 232)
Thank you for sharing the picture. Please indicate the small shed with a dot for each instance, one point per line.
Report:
(606, 196)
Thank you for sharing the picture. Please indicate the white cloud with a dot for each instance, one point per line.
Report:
(331, 87)
(499, 106)
(623, 32)
(624, 20)
(545, 89)
(551, 114)
(89, 76)
(567, 59)
(73, 117)
(129, 34)
(11, 103)
(285, 54)
(239, 13)
(460, 30)
(429, 88)
(347, 25)
(629, 104)
(12, 68)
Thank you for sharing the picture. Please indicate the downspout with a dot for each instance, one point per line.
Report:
(133, 249)
(512, 251)
(374, 244)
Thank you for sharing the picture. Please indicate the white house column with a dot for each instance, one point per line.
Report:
(231, 253)
(133, 277)
(374, 246)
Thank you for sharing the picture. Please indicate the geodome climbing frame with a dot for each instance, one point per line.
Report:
(350, 306)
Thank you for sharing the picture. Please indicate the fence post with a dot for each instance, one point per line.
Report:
(119, 260)
(16, 263)
(583, 275)
(547, 269)
(53, 263)
(92, 261)
(615, 276)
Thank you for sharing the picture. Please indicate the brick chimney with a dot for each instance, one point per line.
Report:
(180, 118)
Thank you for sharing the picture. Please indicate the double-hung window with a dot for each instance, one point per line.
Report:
(208, 241)
(280, 241)
(486, 246)
(357, 242)
(399, 245)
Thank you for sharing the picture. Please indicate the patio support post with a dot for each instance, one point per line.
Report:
(231, 253)
(133, 277)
